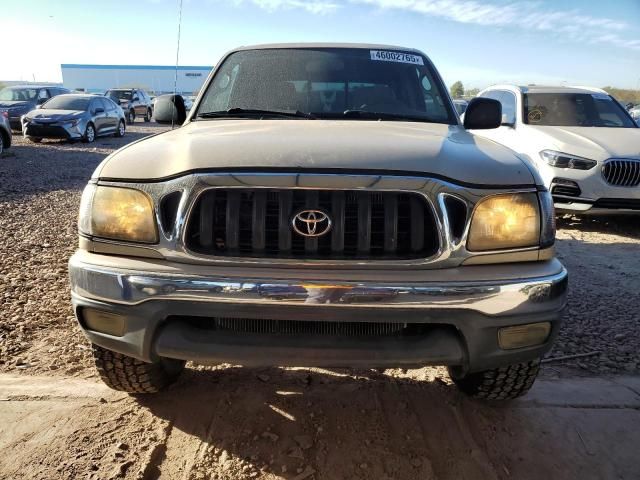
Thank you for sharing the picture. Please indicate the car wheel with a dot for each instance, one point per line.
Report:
(131, 117)
(35, 139)
(128, 374)
(502, 383)
(121, 129)
(147, 117)
(89, 134)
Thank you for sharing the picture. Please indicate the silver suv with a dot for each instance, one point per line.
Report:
(321, 205)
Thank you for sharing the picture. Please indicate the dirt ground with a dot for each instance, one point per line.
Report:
(227, 422)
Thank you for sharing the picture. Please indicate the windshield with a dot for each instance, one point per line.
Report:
(117, 95)
(18, 94)
(329, 83)
(574, 110)
(63, 102)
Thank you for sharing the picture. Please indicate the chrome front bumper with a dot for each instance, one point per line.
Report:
(530, 295)
(151, 298)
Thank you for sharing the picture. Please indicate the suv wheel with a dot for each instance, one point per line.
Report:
(502, 383)
(147, 117)
(120, 130)
(89, 134)
(131, 117)
(128, 374)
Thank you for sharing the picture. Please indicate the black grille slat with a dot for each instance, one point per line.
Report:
(364, 222)
(254, 222)
(391, 223)
(337, 211)
(206, 219)
(622, 173)
(416, 208)
(285, 202)
(259, 213)
(232, 240)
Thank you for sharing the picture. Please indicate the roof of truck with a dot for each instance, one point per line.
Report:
(367, 46)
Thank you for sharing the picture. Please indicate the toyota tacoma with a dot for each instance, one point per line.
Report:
(321, 205)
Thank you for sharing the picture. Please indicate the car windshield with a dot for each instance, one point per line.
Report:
(117, 95)
(18, 94)
(574, 110)
(63, 102)
(329, 83)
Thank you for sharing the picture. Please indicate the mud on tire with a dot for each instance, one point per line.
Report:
(502, 383)
(128, 374)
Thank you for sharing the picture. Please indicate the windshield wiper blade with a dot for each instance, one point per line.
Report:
(248, 112)
(366, 114)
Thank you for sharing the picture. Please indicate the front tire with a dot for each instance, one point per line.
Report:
(89, 134)
(147, 117)
(504, 383)
(127, 374)
(131, 117)
(120, 130)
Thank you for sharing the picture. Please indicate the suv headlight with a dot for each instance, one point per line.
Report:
(117, 213)
(564, 160)
(505, 221)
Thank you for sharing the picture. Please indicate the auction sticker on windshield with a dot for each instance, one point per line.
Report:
(400, 57)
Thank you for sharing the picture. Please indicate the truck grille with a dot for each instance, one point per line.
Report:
(266, 326)
(622, 173)
(258, 223)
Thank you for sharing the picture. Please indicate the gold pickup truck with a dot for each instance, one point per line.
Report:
(321, 205)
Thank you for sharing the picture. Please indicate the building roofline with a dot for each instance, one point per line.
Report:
(134, 67)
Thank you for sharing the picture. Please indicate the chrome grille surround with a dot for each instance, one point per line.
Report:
(622, 172)
(451, 252)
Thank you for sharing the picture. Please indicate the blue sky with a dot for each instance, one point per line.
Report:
(587, 42)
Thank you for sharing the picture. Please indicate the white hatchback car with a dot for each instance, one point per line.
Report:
(584, 144)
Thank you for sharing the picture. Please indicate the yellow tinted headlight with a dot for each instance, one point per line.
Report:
(505, 221)
(118, 214)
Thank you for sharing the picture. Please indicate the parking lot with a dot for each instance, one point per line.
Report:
(309, 423)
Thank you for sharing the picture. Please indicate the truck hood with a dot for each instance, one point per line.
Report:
(596, 143)
(441, 150)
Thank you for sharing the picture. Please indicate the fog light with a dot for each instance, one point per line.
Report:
(103, 322)
(563, 186)
(520, 336)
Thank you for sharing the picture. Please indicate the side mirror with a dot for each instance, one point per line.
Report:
(169, 109)
(99, 110)
(39, 106)
(483, 114)
(136, 99)
(41, 101)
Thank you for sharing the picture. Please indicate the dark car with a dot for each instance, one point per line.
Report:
(134, 102)
(5, 131)
(75, 117)
(20, 99)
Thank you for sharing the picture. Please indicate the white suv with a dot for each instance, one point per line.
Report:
(583, 143)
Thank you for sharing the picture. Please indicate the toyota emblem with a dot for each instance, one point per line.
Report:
(311, 223)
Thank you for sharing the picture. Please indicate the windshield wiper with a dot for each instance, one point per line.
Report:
(366, 114)
(252, 113)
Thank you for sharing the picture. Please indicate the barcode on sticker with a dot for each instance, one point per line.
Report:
(400, 57)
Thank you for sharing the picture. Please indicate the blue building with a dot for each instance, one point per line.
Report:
(155, 79)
